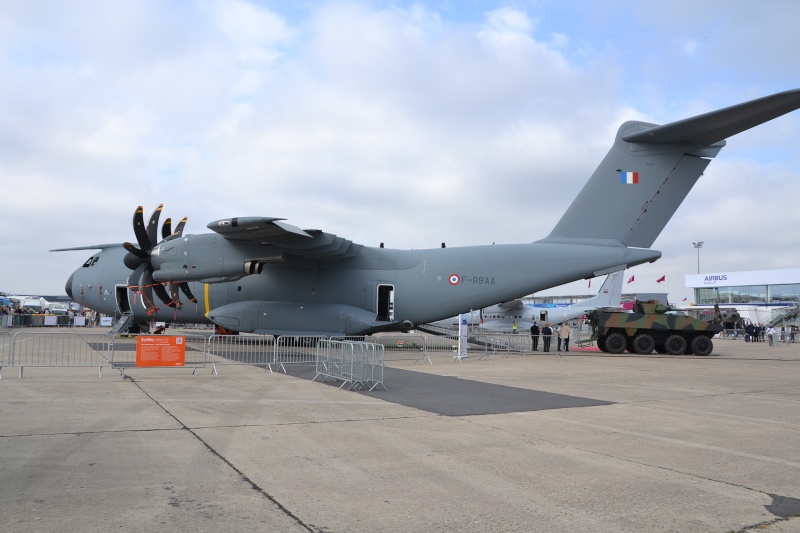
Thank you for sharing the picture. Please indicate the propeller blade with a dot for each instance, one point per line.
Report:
(166, 229)
(152, 226)
(140, 230)
(147, 289)
(179, 228)
(133, 279)
(163, 295)
(185, 288)
(135, 251)
(174, 296)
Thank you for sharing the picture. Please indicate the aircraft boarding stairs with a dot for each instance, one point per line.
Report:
(124, 324)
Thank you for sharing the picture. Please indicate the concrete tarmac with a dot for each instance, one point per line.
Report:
(582, 442)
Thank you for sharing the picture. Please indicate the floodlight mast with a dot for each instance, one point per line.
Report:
(698, 245)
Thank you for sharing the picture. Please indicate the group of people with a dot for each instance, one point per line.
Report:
(759, 333)
(562, 332)
(20, 312)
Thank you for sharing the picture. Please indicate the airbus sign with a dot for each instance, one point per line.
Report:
(787, 276)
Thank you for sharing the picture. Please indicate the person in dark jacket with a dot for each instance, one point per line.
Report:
(547, 333)
(535, 337)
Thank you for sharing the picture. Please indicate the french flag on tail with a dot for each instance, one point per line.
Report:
(629, 178)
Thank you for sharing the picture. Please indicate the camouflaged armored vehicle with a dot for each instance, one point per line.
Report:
(649, 328)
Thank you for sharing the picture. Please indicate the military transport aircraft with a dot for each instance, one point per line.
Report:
(263, 275)
(503, 315)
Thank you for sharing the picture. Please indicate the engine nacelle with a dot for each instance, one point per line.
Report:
(203, 258)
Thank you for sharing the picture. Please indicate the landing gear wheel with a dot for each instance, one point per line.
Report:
(616, 343)
(675, 345)
(702, 345)
(643, 343)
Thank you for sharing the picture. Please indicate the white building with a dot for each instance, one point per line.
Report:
(759, 295)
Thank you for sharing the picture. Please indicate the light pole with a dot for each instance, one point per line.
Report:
(698, 245)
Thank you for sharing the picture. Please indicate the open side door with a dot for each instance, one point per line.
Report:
(385, 303)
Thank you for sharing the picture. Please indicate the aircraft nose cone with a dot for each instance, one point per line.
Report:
(68, 286)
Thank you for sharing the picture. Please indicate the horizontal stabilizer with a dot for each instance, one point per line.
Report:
(709, 128)
(650, 169)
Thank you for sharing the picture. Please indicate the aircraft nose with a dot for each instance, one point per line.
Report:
(68, 286)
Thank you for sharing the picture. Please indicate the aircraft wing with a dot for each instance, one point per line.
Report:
(310, 243)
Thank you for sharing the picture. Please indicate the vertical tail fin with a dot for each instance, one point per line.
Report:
(609, 294)
(650, 170)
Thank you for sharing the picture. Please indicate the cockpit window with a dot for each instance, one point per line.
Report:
(91, 261)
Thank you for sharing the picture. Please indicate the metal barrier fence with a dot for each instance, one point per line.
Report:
(257, 350)
(294, 350)
(403, 347)
(35, 321)
(357, 364)
(505, 345)
(442, 345)
(42, 349)
(5, 350)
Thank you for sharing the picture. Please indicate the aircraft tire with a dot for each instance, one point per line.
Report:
(616, 343)
(643, 344)
(675, 345)
(702, 345)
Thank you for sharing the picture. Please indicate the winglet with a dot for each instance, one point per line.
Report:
(710, 128)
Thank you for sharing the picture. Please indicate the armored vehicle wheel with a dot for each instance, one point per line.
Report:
(616, 343)
(643, 343)
(660, 348)
(675, 345)
(702, 345)
(601, 343)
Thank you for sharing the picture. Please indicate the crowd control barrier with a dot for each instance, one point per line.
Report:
(257, 350)
(5, 350)
(34, 349)
(358, 365)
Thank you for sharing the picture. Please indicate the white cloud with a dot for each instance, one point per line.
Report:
(392, 124)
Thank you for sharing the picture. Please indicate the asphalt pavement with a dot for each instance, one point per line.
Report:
(582, 442)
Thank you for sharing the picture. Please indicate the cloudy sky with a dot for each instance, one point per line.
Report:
(409, 123)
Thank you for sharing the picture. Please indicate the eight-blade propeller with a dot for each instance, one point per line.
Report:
(138, 260)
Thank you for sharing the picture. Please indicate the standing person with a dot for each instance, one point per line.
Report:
(558, 337)
(534, 337)
(564, 336)
(514, 328)
(771, 335)
(547, 333)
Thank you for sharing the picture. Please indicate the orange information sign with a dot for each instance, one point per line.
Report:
(159, 350)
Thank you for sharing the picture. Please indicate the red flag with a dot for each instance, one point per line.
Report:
(630, 280)
(662, 278)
